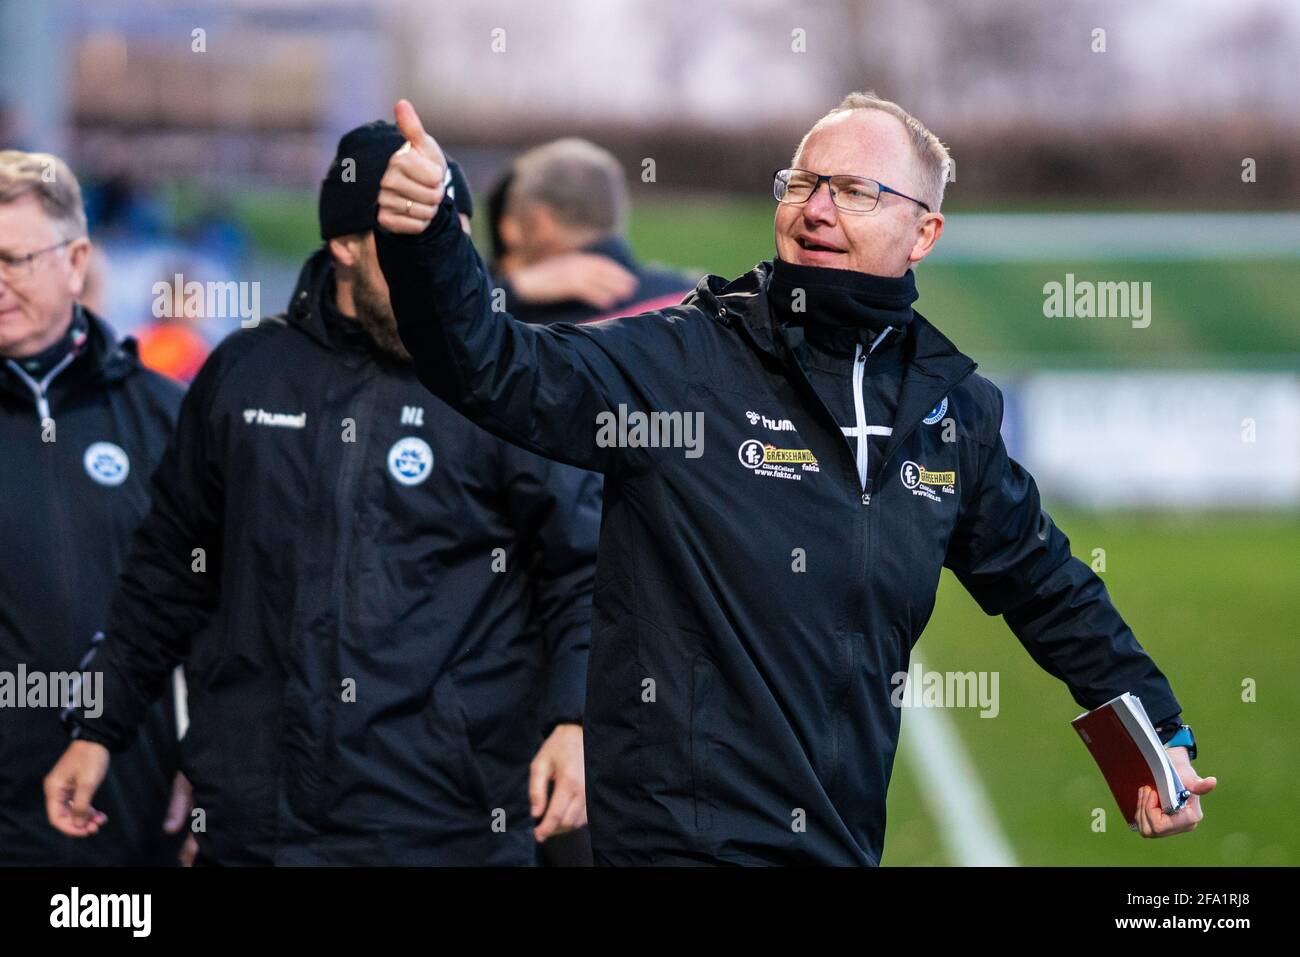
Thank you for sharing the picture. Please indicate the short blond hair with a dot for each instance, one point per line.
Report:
(49, 179)
(930, 153)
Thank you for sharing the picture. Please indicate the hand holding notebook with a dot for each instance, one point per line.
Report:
(1125, 746)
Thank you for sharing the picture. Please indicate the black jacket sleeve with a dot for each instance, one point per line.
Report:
(162, 599)
(540, 387)
(1015, 562)
(556, 509)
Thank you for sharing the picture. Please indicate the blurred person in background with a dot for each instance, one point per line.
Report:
(147, 242)
(503, 260)
(741, 707)
(118, 205)
(559, 233)
(172, 343)
(185, 326)
(173, 348)
(82, 426)
(385, 649)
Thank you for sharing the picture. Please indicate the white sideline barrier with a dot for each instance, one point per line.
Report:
(1159, 439)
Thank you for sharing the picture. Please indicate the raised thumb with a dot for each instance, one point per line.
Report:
(408, 123)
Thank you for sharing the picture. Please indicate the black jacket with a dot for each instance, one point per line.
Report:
(67, 511)
(732, 696)
(369, 676)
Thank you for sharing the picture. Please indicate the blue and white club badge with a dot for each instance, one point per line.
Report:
(106, 463)
(410, 460)
(937, 413)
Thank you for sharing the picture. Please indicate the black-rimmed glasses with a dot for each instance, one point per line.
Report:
(853, 194)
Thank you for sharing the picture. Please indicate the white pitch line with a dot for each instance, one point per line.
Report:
(952, 789)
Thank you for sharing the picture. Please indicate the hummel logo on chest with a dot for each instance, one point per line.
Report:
(283, 420)
(776, 425)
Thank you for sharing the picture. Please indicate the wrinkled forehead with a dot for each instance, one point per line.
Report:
(868, 143)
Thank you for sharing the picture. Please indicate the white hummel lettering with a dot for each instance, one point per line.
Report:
(283, 420)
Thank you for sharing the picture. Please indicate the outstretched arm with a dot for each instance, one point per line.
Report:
(1011, 557)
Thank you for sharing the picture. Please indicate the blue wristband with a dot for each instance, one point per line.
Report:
(1183, 739)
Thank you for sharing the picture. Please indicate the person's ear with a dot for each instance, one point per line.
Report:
(928, 230)
(346, 250)
(512, 234)
(545, 233)
(78, 265)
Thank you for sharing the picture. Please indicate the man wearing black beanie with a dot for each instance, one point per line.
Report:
(383, 611)
(349, 190)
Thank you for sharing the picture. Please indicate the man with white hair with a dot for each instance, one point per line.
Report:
(756, 595)
(82, 426)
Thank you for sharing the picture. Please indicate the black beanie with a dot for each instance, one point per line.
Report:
(350, 190)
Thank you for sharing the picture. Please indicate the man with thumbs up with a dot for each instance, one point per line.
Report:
(755, 602)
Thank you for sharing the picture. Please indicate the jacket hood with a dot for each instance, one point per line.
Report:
(315, 281)
(311, 308)
(108, 357)
(744, 300)
(709, 291)
(111, 358)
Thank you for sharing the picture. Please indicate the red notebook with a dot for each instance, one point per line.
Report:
(1125, 746)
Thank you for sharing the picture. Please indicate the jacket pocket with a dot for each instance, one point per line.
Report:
(836, 742)
(704, 724)
(448, 726)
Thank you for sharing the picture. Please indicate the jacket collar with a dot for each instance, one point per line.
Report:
(932, 364)
(107, 357)
(312, 309)
(102, 360)
(111, 359)
(615, 248)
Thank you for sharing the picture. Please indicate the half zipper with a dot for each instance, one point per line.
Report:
(860, 429)
(860, 412)
(40, 390)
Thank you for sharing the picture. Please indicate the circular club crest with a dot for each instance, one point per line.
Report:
(910, 473)
(106, 463)
(937, 412)
(751, 453)
(410, 460)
